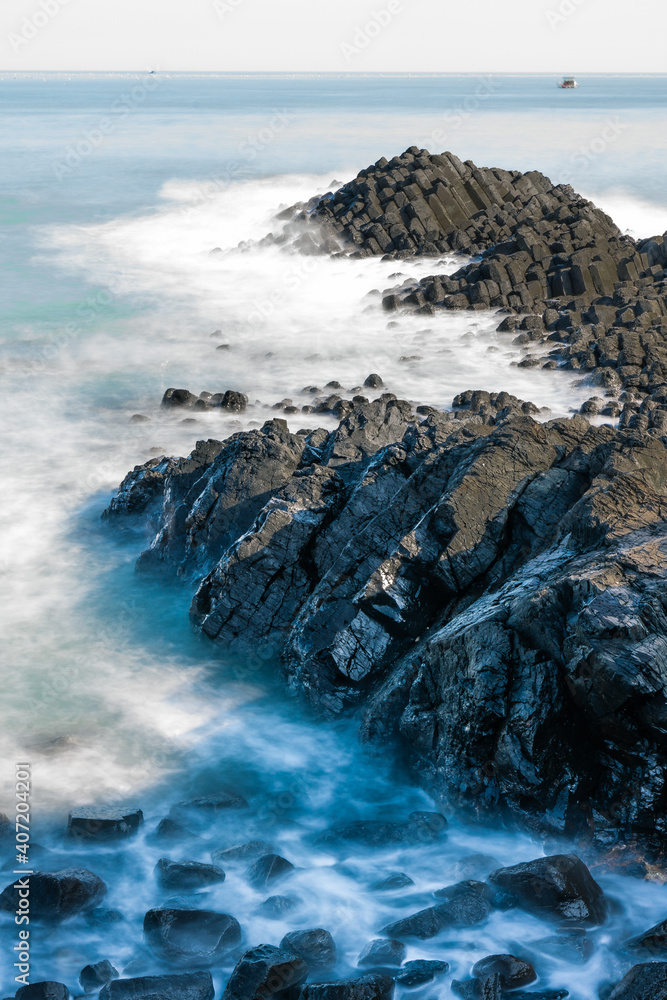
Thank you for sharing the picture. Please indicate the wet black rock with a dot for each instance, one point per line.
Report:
(170, 832)
(43, 991)
(207, 806)
(373, 382)
(268, 869)
(513, 971)
(93, 977)
(185, 875)
(382, 952)
(316, 947)
(375, 986)
(100, 824)
(420, 972)
(397, 880)
(464, 888)
(55, 896)
(191, 937)
(187, 986)
(174, 398)
(557, 888)
(278, 907)
(240, 854)
(643, 982)
(488, 988)
(466, 909)
(652, 942)
(423, 925)
(265, 971)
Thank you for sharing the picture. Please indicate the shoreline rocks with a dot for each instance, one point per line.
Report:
(488, 587)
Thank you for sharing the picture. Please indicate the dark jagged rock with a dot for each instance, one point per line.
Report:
(93, 977)
(191, 937)
(420, 972)
(491, 586)
(170, 832)
(652, 942)
(643, 982)
(488, 988)
(183, 399)
(466, 909)
(375, 986)
(277, 907)
(316, 947)
(43, 991)
(557, 888)
(98, 824)
(513, 971)
(381, 952)
(188, 986)
(185, 875)
(554, 261)
(428, 566)
(464, 888)
(265, 971)
(268, 869)
(55, 896)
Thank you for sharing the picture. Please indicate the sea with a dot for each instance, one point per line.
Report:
(114, 190)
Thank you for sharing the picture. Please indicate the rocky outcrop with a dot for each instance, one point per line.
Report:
(428, 204)
(576, 293)
(489, 587)
(492, 588)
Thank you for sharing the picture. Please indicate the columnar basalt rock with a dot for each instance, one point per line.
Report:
(491, 587)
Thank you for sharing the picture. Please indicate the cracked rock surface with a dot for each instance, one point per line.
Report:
(488, 588)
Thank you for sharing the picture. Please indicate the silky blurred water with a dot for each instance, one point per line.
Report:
(113, 190)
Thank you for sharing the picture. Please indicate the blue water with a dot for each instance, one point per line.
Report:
(113, 188)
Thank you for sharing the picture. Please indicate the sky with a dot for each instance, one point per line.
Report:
(445, 36)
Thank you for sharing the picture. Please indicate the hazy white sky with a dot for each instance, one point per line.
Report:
(559, 36)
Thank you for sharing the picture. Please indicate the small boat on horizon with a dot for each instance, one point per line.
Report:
(569, 83)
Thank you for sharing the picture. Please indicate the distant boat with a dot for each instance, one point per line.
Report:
(569, 83)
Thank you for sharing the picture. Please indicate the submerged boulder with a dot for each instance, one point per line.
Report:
(180, 876)
(191, 937)
(316, 947)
